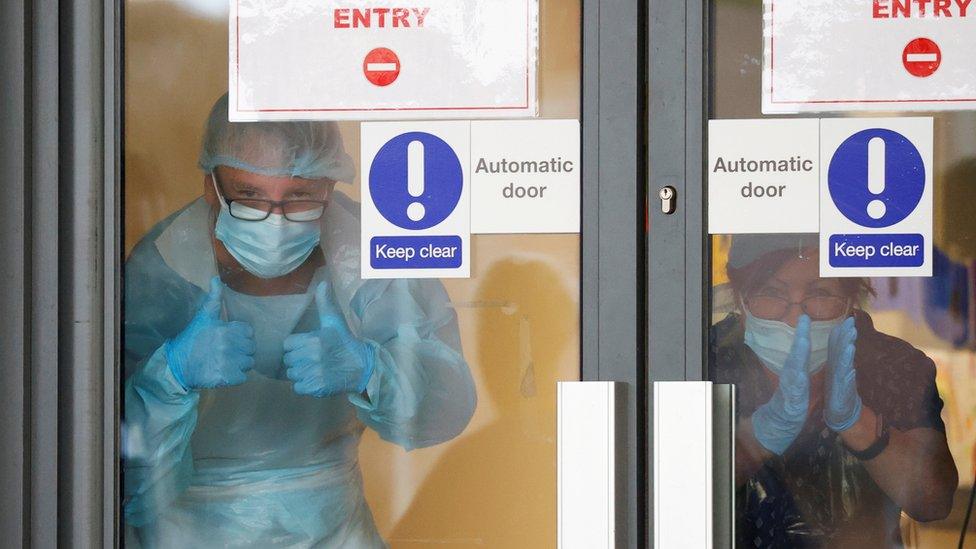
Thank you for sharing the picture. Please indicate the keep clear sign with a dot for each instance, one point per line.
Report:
(341, 60)
(864, 184)
(888, 55)
(876, 197)
(416, 215)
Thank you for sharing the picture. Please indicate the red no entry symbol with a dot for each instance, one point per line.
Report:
(381, 66)
(922, 57)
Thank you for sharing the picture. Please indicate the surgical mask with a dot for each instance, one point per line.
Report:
(772, 340)
(269, 248)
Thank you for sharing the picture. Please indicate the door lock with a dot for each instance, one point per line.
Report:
(668, 199)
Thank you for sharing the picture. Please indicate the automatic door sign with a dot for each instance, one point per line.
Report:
(416, 200)
(383, 59)
(876, 197)
(825, 55)
(763, 176)
(525, 176)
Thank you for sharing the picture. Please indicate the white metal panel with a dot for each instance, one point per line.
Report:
(586, 455)
(683, 465)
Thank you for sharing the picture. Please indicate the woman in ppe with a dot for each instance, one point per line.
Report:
(839, 426)
(255, 355)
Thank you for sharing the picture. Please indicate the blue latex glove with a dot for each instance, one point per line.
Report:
(843, 407)
(210, 352)
(777, 423)
(330, 360)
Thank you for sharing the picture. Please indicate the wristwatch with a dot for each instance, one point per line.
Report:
(877, 446)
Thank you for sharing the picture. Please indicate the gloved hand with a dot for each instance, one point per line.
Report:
(843, 406)
(330, 360)
(777, 423)
(210, 352)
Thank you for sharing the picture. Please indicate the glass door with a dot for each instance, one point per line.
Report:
(322, 409)
(163, 393)
(856, 407)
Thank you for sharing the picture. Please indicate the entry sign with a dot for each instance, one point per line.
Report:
(382, 59)
(763, 176)
(825, 55)
(416, 214)
(876, 197)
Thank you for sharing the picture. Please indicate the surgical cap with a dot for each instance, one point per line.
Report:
(310, 150)
(747, 248)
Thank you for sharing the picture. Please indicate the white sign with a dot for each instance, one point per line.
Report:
(763, 176)
(416, 209)
(336, 59)
(829, 55)
(876, 197)
(525, 176)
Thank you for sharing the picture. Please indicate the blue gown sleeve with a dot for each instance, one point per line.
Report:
(421, 392)
(159, 414)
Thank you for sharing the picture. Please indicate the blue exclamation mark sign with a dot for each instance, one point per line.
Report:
(416, 180)
(876, 178)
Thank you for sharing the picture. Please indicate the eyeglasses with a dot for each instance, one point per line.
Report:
(256, 209)
(818, 307)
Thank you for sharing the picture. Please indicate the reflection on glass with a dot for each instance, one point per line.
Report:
(839, 424)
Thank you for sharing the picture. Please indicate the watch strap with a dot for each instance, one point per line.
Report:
(877, 446)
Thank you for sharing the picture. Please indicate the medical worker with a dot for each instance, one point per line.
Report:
(256, 355)
(839, 426)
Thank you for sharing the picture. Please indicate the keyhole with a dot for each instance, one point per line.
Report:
(415, 179)
(667, 195)
(877, 176)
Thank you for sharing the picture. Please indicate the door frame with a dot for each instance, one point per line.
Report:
(61, 77)
(676, 244)
(613, 296)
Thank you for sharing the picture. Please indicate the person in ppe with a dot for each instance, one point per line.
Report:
(839, 426)
(256, 355)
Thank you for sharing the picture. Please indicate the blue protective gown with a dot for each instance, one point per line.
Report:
(257, 465)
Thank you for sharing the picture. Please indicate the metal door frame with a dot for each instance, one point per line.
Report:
(676, 246)
(614, 256)
(61, 165)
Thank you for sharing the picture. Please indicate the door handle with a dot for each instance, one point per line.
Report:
(694, 460)
(591, 429)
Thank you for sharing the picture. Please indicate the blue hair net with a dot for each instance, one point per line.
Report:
(310, 150)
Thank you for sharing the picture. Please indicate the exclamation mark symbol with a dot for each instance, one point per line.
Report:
(415, 179)
(876, 176)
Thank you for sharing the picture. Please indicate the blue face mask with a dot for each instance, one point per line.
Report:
(269, 248)
(772, 340)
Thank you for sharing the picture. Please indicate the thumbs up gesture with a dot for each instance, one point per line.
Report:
(210, 352)
(330, 360)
